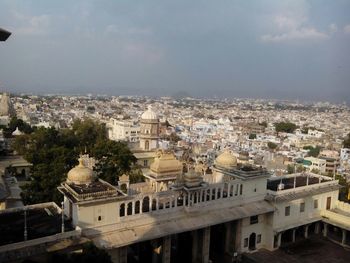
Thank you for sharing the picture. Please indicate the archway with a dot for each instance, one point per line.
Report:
(252, 241)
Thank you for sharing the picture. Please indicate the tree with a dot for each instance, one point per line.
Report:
(272, 145)
(346, 142)
(287, 127)
(313, 151)
(252, 136)
(54, 152)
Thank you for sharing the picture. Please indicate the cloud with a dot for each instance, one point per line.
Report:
(304, 33)
(291, 28)
(333, 28)
(32, 25)
(347, 29)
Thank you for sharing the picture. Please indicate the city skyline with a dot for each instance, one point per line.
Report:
(290, 50)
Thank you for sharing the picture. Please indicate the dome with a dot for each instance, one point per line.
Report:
(149, 114)
(17, 132)
(226, 160)
(80, 174)
(166, 163)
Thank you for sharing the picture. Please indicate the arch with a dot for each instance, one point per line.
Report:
(145, 204)
(129, 209)
(137, 207)
(122, 210)
(146, 145)
(252, 241)
(154, 204)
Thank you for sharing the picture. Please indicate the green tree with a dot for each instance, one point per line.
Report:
(313, 151)
(272, 145)
(252, 136)
(287, 127)
(54, 152)
(346, 142)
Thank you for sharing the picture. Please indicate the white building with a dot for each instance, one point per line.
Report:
(123, 130)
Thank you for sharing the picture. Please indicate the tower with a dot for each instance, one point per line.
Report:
(149, 133)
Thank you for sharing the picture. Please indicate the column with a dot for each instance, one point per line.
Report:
(293, 236)
(205, 245)
(166, 249)
(343, 240)
(325, 229)
(194, 246)
(119, 255)
(279, 237)
(317, 228)
(306, 231)
(228, 238)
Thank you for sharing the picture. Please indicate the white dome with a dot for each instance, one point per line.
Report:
(149, 114)
(80, 174)
(17, 132)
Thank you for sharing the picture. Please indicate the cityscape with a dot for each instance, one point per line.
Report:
(184, 173)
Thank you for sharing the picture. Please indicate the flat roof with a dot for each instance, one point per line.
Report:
(41, 220)
(300, 180)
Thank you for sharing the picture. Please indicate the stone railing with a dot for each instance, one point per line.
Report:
(336, 217)
(32, 207)
(174, 200)
(343, 206)
(25, 249)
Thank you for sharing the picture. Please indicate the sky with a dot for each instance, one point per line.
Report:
(290, 49)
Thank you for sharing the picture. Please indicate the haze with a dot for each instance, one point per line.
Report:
(262, 49)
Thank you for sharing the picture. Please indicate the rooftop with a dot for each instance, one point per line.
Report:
(42, 220)
(302, 179)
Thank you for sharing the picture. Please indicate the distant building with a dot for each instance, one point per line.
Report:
(123, 130)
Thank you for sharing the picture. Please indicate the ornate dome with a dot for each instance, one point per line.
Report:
(226, 160)
(165, 163)
(80, 174)
(149, 114)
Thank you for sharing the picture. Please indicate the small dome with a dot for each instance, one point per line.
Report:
(17, 132)
(166, 162)
(226, 160)
(80, 174)
(149, 114)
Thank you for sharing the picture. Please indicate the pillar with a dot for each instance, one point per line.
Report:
(194, 246)
(317, 228)
(205, 245)
(293, 236)
(238, 240)
(166, 249)
(119, 255)
(306, 231)
(325, 229)
(279, 238)
(228, 238)
(343, 240)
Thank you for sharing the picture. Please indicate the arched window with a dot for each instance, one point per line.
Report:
(147, 145)
(145, 204)
(122, 210)
(129, 210)
(137, 207)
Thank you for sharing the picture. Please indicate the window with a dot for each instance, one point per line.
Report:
(99, 218)
(258, 239)
(287, 211)
(241, 189)
(302, 207)
(316, 204)
(145, 162)
(246, 242)
(254, 220)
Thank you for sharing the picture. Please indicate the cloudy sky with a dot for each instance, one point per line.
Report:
(293, 49)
